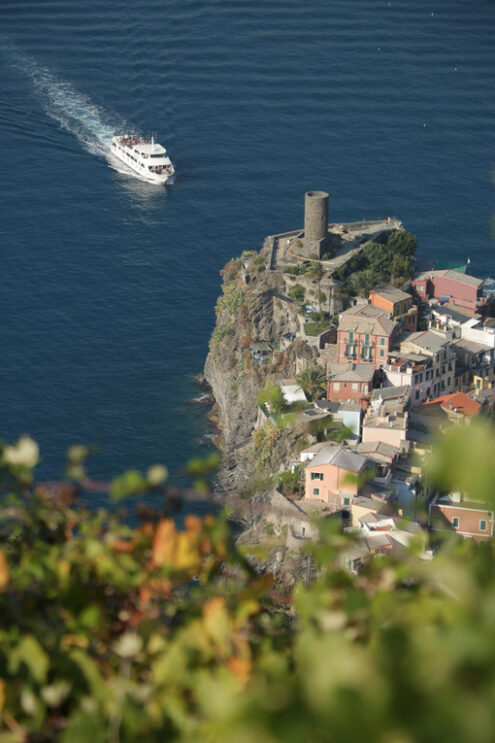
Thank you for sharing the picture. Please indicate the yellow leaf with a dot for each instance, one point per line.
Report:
(187, 554)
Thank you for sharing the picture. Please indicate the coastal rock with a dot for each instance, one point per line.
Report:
(247, 313)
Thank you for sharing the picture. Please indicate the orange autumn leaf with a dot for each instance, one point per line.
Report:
(213, 605)
(164, 542)
(193, 523)
(4, 572)
(123, 545)
(241, 668)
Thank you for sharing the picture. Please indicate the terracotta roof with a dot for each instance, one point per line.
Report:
(458, 401)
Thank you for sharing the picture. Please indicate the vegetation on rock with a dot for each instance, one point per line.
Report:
(391, 261)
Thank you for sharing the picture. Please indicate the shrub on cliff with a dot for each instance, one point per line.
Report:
(376, 262)
(271, 395)
(297, 293)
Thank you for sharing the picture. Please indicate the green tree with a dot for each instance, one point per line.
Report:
(313, 381)
(297, 293)
(271, 394)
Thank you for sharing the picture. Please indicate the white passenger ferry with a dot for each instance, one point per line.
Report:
(148, 159)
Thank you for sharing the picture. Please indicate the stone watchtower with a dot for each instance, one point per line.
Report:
(316, 238)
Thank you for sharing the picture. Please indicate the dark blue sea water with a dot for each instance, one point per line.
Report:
(108, 284)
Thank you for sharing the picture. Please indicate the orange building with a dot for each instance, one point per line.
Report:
(398, 304)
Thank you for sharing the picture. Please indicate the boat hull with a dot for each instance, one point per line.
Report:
(158, 179)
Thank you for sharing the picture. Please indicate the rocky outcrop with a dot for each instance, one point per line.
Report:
(252, 309)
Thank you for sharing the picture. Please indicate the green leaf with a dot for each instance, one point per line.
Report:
(83, 728)
(30, 652)
(130, 483)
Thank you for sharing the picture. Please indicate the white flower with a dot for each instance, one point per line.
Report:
(25, 453)
(128, 645)
(156, 474)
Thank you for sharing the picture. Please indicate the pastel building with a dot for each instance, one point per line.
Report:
(415, 371)
(332, 476)
(399, 304)
(365, 335)
(451, 286)
(351, 383)
(439, 348)
(467, 518)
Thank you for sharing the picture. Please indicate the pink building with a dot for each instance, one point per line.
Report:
(365, 335)
(466, 518)
(332, 476)
(351, 383)
(451, 286)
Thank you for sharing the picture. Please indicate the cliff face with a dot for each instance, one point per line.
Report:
(252, 309)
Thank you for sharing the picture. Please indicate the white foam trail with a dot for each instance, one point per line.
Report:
(75, 112)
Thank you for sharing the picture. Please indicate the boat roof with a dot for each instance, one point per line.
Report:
(151, 149)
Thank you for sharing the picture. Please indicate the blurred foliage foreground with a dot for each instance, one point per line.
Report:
(112, 633)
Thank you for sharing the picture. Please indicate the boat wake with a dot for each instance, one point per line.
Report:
(73, 111)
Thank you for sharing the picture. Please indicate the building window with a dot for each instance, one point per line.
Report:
(317, 475)
(347, 501)
(382, 352)
(455, 522)
(336, 386)
(367, 339)
(482, 524)
(350, 351)
(351, 336)
(417, 394)
(355, 386)
(448, 381)
(316, 491)
(382, 341)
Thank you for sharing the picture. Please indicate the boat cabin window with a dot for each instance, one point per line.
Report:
(162, 154)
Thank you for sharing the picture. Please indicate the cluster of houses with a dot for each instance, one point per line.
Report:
(394, 387)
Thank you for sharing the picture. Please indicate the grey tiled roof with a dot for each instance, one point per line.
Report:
(367, 319)
(391, 293)
(339, 457)
(371, 448)
(469, 345)
(448, 273)
(428, 340)
(351, 372)
(390, 393)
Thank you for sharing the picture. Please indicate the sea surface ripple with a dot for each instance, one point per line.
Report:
(108, 284)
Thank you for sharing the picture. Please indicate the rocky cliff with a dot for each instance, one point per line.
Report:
(253, 308)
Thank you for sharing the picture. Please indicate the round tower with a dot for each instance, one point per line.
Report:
(315, 222)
